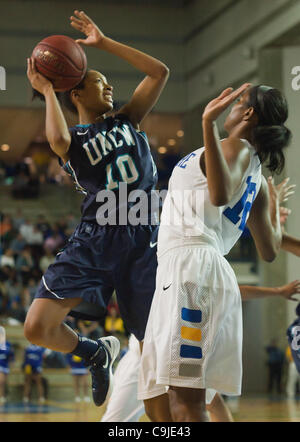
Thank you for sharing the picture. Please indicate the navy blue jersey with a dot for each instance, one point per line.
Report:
(293, 334)
(112, 156)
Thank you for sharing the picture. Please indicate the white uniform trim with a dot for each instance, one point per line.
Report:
(47, 288)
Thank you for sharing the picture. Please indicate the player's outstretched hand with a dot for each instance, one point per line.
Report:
(37, 80)
(219, 104)
(285, 190)
(85, 24)
(287, 291)
(280, 192)
(284, 214)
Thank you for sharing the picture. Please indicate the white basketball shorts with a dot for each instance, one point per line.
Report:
(194, 333)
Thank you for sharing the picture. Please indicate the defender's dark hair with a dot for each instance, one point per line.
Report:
(270, 136)
(63, 97)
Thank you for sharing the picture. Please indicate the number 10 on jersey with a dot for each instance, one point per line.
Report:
(125, 167)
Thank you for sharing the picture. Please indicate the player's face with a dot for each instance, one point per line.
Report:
(97, 94)
(237, 112)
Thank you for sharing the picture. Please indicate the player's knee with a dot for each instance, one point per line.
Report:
(33, 331)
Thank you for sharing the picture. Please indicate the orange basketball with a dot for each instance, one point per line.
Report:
(60, 59)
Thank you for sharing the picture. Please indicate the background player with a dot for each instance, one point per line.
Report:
(79, 373)
(6, 357)
(100, 153)
(33, 367)
(201, 347)
(292, 244)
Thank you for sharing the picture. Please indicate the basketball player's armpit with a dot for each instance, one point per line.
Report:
(267, 235)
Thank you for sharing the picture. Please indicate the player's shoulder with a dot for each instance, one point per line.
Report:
(236, 149)
(234, 145)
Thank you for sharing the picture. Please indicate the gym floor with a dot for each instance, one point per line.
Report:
(246, 409)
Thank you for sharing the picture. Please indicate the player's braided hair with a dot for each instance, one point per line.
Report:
(270, 136)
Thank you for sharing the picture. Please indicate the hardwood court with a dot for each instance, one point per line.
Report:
(248, 409)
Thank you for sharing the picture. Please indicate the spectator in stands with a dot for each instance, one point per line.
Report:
(25, 264)
(26, 229)
(36, 241)
(7, 259)
(5, 225)
(17, 244)
(47, 259)
(43, 226)
(6, 228)
(16, 309)
(36, 237)
(54, 241)
(113, 322)
(29, 291)
(3, 295)
(26, 182)
(12, 285)
(18, 219)
(6, 273)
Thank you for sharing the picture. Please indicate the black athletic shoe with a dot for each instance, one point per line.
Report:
(101, 370)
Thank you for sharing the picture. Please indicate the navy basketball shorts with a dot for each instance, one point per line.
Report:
(100, 259)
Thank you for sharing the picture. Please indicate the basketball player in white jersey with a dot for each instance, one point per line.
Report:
(193, 340)
(124, 406)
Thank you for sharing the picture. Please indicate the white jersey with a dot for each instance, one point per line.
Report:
(189, 217)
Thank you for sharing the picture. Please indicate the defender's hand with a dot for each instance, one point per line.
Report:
(287, 291)
(219, 104)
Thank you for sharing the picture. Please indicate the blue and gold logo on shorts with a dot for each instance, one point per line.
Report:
(191, 334)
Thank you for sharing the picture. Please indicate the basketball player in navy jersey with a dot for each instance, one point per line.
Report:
(292, 244)
(102, 154)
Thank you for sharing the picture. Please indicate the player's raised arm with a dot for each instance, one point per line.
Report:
(57, 131)
(148, 91)
(264, 220)
(222, 173)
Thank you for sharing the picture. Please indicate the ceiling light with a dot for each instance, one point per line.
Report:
(162, 149)
(171, 142)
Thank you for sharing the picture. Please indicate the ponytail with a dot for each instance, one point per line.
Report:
(270, 136)
(269, 142)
